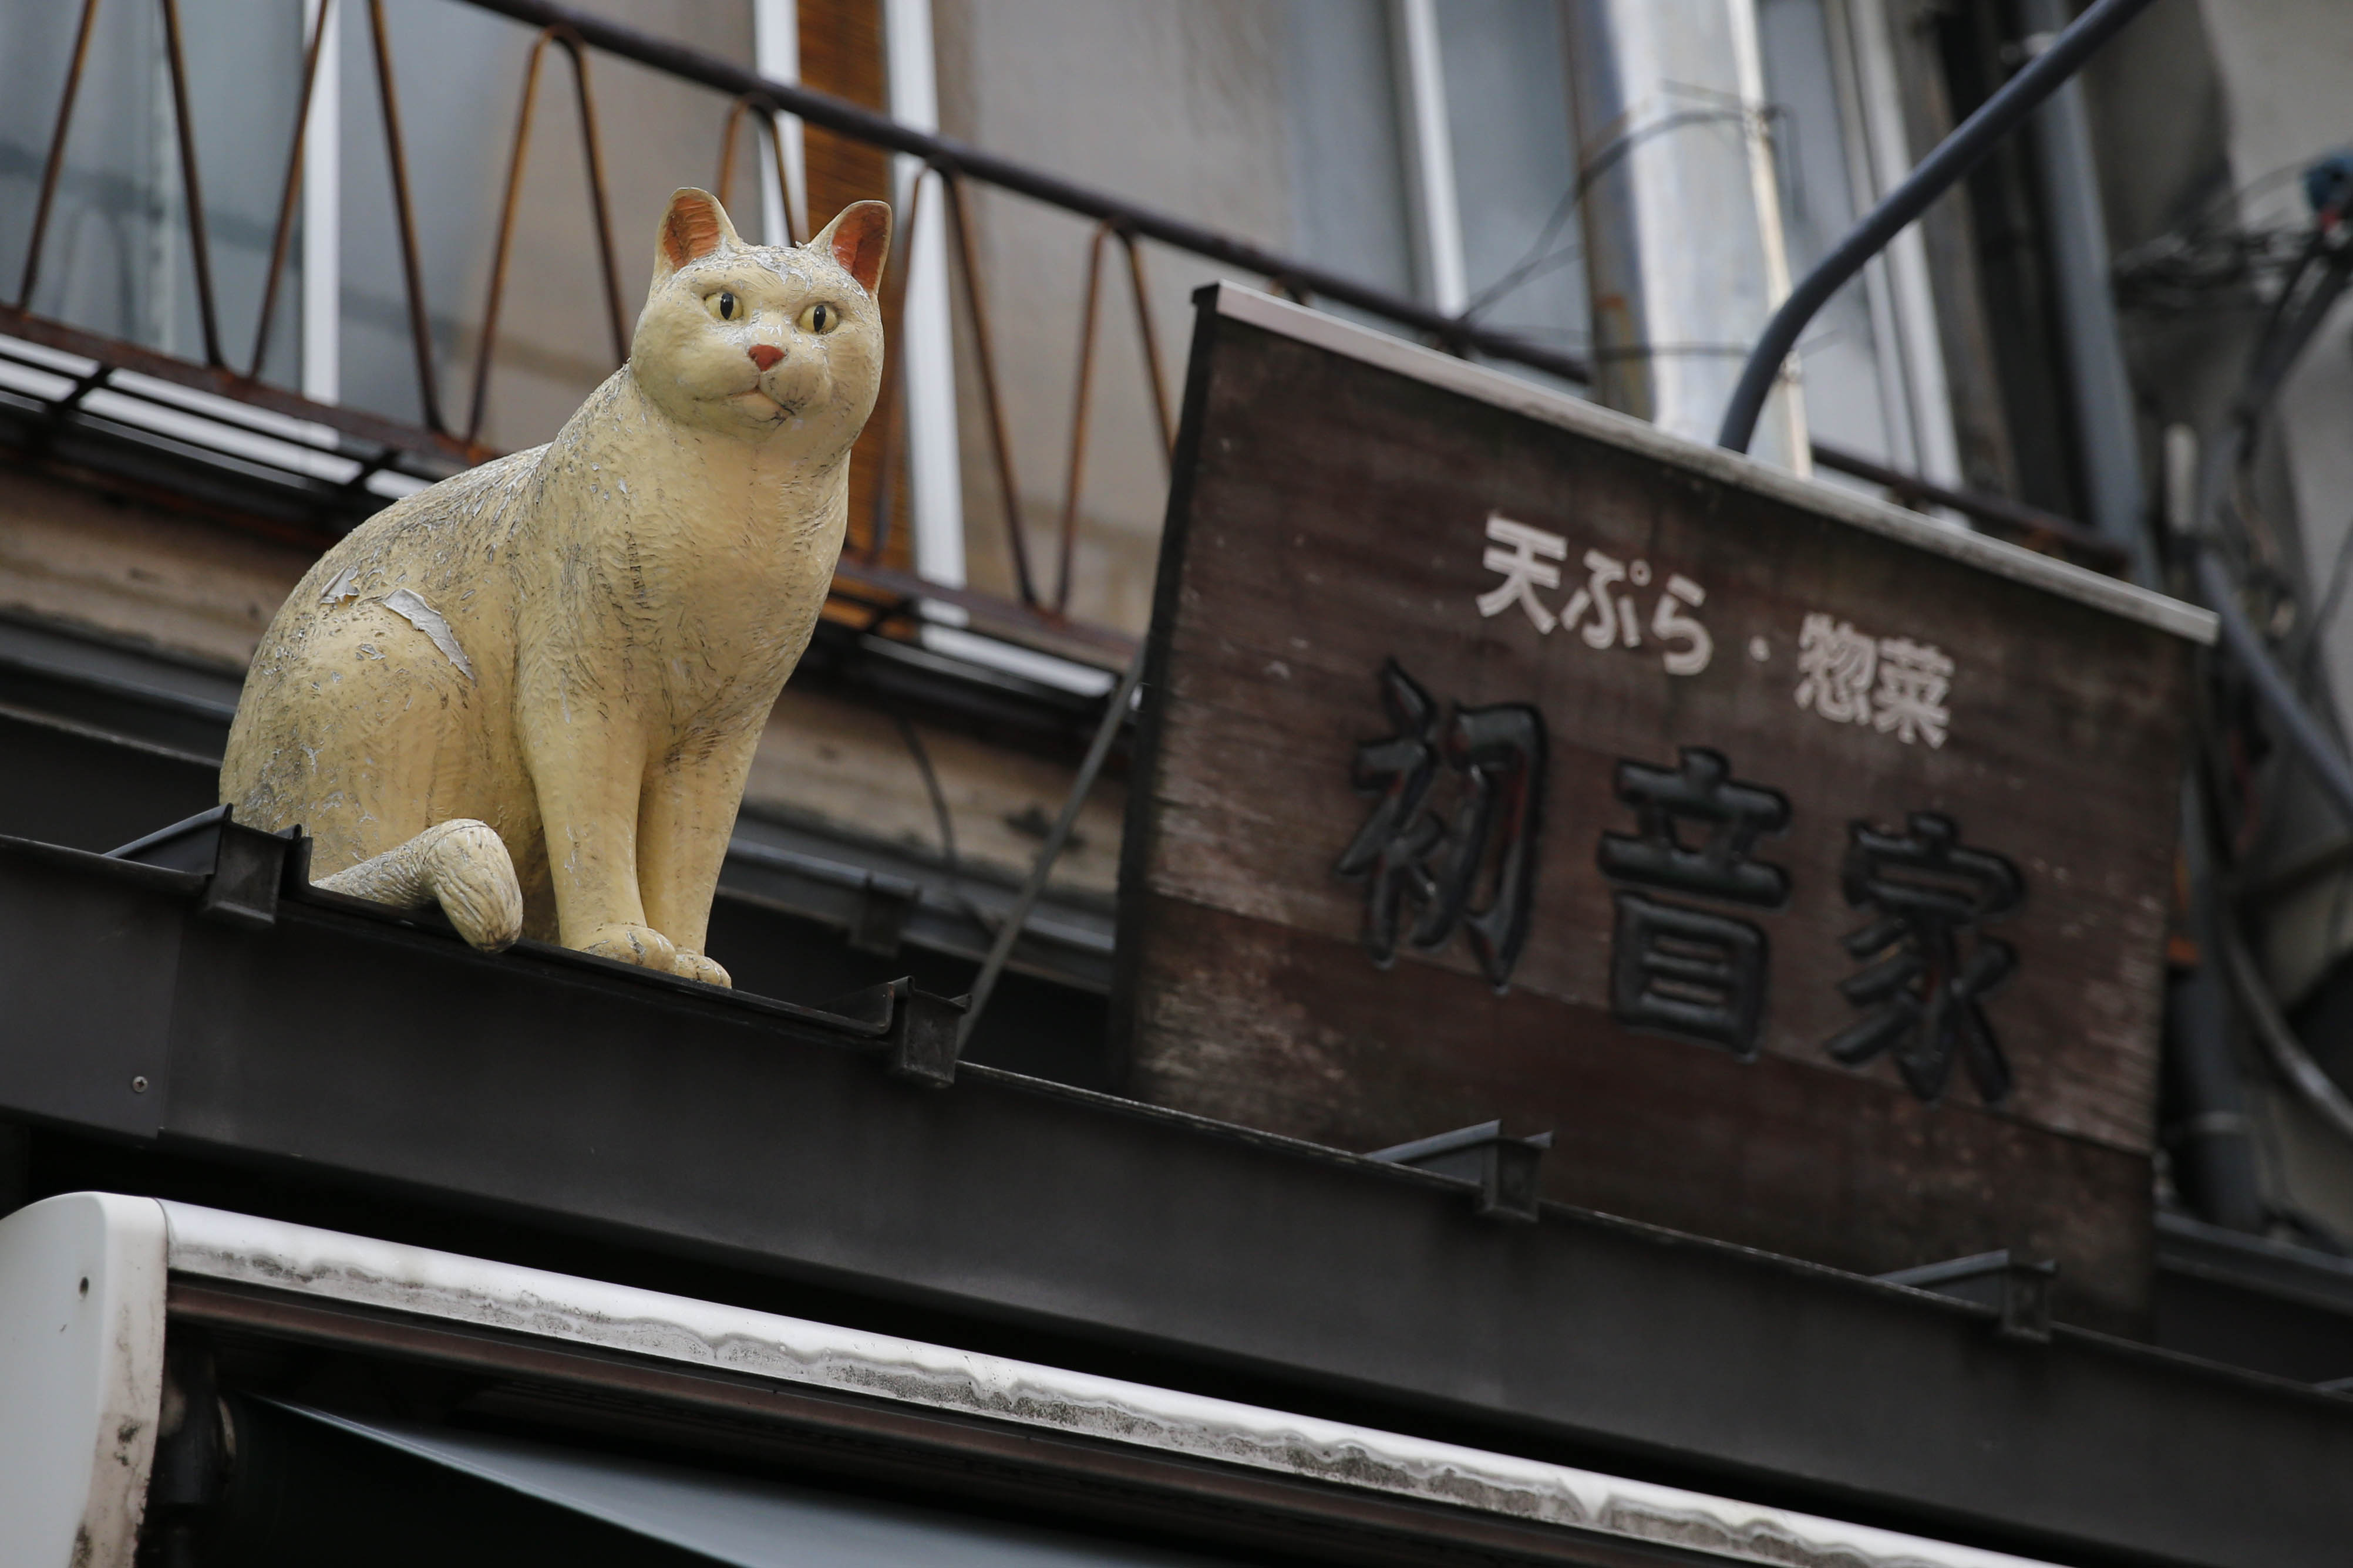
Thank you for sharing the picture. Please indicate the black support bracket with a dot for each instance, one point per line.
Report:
(246, 866)
(1503, 1170)
(920, 1030)
(249, 869)
(2018, 1290)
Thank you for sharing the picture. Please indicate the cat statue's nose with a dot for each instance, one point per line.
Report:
(766, 355)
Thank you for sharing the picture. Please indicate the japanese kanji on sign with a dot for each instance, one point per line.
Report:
(1804, 864)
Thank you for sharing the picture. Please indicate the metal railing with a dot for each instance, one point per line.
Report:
(1038, 612)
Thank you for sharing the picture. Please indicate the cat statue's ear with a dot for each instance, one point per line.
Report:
(858, 238)
(695, 227)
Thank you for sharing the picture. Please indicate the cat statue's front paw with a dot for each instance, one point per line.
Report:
(695, 966)
(640, 945)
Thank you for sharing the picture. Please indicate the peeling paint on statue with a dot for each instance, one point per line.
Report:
(574, 648)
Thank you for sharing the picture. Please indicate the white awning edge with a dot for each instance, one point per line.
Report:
(327, 1265)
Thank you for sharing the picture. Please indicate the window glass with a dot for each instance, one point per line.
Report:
(1515, 168)
(459, 82)
(116, 258)
(1853, 398)
(1340, 126)
(1276, 123)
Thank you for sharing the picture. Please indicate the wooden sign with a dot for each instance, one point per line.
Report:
(1802, 863)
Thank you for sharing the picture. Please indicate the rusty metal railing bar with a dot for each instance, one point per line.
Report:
(1000, 441)
(949, 160)
(1082, 399)
(746, 103)
(284, 230)
(420, 332)
(950, 157)
(199, 246)
(890, 403)
(600, 197)
(54, 164)
(1081, 404)
(1295, 279)
(991, 613)
(503, 246)
(502, 250)
(1164, 419)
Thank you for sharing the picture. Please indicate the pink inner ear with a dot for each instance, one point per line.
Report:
(862, 239)
(689, 231)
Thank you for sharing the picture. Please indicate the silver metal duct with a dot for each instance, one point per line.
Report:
(1683, 216)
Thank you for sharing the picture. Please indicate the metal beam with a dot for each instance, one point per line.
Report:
(582, 1097)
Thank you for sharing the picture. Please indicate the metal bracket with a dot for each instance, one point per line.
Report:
(249, 868)
(191, 844)
(2018, 1290)
(1503, 1170)
(925, 1035)
(922, 1030)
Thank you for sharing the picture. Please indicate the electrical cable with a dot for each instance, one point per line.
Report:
(2268, 367)
(2272, 685)
(946, 821)
(942, 818)
(1115, 712)
(1539, 255)
(2289, 329)
(2174, 259)
(1938, 172)
(2303, 643)
(2277, 1036)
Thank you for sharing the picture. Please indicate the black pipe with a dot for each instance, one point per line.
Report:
(1937, 173)
(2212, 1138)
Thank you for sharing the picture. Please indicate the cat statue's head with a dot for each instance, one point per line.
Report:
(776, 344)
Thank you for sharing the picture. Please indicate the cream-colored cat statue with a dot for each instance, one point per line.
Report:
(531, 693)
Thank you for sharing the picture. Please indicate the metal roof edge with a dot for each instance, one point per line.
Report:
(1510, 393)
(270, 1254)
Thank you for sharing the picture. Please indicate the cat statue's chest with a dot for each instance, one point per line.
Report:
(711, 557)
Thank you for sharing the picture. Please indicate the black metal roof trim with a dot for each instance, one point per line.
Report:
(120, 666)
(607, 1105)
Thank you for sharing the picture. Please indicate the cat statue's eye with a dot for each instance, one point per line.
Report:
(722, 304)
(821, 319)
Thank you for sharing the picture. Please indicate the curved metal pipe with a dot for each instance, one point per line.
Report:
(1937, 173)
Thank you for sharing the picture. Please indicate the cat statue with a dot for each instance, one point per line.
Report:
(531, 693)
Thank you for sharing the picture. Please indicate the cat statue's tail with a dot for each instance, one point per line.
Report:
(463, 865)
